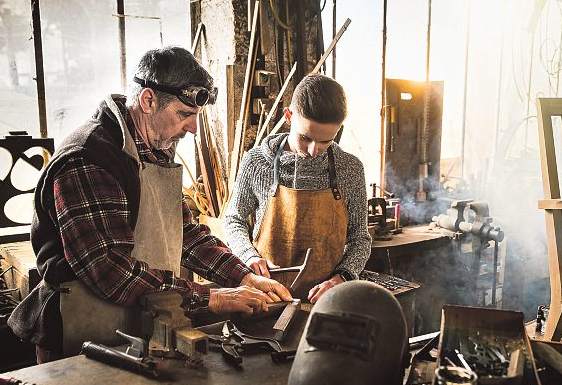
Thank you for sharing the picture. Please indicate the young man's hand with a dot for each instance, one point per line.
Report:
(275, 291)
(243, 299)
(261, 266)
(316, 292)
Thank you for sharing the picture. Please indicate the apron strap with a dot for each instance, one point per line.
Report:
(273, 189)
(332, 174)
(331, 171)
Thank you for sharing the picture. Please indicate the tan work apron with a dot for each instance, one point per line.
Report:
(158, 241)
(295, 220)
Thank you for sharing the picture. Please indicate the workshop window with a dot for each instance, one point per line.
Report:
(81, 62)
(81, 56)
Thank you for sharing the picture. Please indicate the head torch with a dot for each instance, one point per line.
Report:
(192, 95)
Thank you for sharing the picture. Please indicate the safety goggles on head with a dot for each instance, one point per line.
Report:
(191, 95)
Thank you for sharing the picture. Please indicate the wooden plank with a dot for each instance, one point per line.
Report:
(205, 165)
(195, 43)
(216, 163)
(265, 36)
(550, 204)
(230, 117)
(242, 118)
(275, 104)
(331, 46)
(18, 263)
(279, 124)
(546, 108)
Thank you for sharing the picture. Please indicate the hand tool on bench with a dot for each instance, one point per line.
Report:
(233, 342)
(285, 320)
(301, 269)
(134, 358)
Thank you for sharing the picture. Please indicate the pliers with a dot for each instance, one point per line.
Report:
(233, 342)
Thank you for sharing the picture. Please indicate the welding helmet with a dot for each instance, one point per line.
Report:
(192, 95)
(355, 331)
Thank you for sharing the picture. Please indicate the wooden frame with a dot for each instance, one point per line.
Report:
(552, 204)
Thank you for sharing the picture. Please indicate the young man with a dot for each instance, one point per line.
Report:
(305, 192)
(110, 224)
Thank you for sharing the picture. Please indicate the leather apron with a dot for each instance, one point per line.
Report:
(158, 241)
(295, 220)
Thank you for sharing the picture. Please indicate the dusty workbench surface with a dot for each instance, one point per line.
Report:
(257, 369)
(410, 235)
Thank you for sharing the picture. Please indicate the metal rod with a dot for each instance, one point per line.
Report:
(495, 273)
(425, 138)
(421, 195)
(465, 87)
(39, 71)
(499, 86)
(333, 36)
(529, 92)
(383, 100)
(122, 44)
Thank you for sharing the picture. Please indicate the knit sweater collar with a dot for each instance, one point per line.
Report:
(271, 143)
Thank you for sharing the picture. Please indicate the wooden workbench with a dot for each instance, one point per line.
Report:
(256, 369)
(410, 239)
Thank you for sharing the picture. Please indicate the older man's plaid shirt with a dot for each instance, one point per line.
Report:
(94, 219)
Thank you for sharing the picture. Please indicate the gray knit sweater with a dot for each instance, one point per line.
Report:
(256, 176)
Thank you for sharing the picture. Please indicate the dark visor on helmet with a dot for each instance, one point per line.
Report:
(191, 95)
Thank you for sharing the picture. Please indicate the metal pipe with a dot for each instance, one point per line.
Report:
(529, 92)
(333, 36)
(39, 71)
(495, 274)
(499, 86)
(423, 171)
(122, 44)
(383, 99)
(467, 45)
(425, 137)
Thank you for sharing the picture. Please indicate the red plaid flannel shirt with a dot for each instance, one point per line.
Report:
(94, 218)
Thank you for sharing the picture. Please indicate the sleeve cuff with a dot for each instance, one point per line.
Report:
(199, 300)
(346, 275)
(236, 275)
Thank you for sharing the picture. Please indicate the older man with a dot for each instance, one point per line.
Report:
(110, 224)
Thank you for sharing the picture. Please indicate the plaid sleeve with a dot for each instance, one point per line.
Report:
(94, 220)
(207, 255)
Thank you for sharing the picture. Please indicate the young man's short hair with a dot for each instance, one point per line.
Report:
(321, 99)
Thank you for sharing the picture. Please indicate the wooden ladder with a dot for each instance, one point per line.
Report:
(552, 204)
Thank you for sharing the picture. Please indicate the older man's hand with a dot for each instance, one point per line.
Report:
(275, 291)
(243, 299)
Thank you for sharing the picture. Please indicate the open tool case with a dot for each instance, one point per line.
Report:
(492, 342)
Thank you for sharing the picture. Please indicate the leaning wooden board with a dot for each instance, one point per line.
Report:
(18, 262)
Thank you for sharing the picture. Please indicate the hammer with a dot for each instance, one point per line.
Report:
(301, 269)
